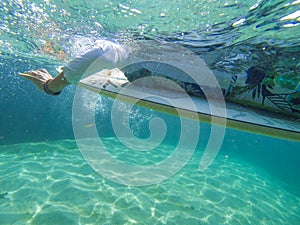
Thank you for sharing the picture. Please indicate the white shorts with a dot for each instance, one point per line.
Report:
(105, 55)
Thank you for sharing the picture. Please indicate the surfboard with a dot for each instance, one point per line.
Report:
(165, 98)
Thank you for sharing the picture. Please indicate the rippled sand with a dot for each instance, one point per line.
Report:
(51, 183)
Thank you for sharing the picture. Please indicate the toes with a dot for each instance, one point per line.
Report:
(43, 71)
(41, 75)
(27, 74)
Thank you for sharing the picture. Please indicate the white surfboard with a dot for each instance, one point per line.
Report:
(165, 98)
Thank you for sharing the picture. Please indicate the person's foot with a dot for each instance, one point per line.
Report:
(40, 78)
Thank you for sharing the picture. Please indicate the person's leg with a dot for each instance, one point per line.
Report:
(108, 55)
(72, 72)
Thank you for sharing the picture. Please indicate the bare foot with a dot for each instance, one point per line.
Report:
(38, 77)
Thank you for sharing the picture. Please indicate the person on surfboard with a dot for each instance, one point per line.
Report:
(109, 55)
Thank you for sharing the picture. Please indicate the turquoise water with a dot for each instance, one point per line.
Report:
(44, 177)
(50, 183)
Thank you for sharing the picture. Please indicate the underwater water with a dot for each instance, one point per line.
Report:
(50, 183)
(44, 175)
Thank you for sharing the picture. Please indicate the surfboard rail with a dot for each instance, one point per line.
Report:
(238, 117)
